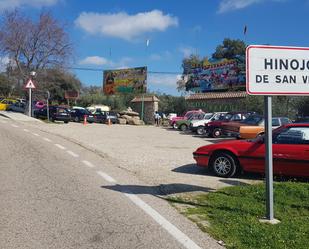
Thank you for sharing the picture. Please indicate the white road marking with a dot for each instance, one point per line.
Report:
(60, 146)
(14, 125)
(26, 130)
(46, 139)
(88, 164)
(35, 134)
(169, 227)
(72, 153)
(106, 177)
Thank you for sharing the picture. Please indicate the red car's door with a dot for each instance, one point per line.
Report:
(291, 151)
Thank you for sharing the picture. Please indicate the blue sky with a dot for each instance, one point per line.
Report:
(112, 33)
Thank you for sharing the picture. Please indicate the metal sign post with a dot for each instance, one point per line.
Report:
(47, 104)
(30, 102)
(30, 85)
(269, 158)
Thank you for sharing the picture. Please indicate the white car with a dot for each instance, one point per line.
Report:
(198, 126)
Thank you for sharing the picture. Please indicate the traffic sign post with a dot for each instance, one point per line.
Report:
(274, 70)
(30, 85)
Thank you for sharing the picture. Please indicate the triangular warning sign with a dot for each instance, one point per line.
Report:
(30, 84)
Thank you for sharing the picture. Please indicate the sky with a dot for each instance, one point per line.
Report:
(113, 34)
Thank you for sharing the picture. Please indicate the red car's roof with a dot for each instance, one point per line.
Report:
(297, 125)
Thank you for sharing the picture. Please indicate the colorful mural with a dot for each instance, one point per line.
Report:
(125, 80)
(215, 75)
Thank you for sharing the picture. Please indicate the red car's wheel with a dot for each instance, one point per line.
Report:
(224, 164)
(216, 133)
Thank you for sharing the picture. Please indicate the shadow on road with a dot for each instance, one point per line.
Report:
(162, 189)
(192, 169)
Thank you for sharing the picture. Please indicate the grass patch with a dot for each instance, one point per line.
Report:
(232, 214)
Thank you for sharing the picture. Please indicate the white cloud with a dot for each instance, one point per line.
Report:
(166, 80)
(101, 61)
(94, 60)
(160, 56)
(230, 5)
(11, 4)
(123, 25)
(187, 50)
(4, 61)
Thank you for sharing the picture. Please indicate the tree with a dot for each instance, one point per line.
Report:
(57, 81)
(230, 49)
(33, 45)
(5, 86)
(186, 65)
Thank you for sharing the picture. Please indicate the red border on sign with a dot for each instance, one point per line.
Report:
(247, 70)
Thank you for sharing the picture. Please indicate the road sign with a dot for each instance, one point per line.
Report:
(30, 84)
(276, 70)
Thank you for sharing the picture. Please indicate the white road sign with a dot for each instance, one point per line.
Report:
(273, 70)
(30, 84)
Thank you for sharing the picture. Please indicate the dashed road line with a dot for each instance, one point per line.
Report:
(72, 153)
(26, 130)
(88, 164)
(60, 146)
(14, 125)
(106, 177)
(46, 139)
(169, 227)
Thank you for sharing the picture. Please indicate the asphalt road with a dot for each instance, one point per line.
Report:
(56, 194)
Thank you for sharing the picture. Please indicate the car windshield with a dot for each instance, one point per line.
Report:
(208, 115)
(253, 120)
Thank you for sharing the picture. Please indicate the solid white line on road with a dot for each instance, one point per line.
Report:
(46, 139)
(26, 130)
(173, 230)
(88, 164)
(72, 153)
(14, 125)
(106, 177)
(60, 146)
(35, 134)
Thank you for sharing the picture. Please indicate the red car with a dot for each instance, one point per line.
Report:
(290, 153)
(185, 117)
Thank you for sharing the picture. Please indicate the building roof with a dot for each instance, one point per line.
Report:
(146, 99)
(216, 95)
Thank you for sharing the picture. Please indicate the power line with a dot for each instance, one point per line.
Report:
(101, 70)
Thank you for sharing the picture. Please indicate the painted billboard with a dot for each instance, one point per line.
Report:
(125, 80)
(215, 75)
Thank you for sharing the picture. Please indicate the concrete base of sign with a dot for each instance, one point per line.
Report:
(267, 221)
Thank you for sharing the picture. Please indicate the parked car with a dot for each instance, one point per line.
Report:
(4, 103)
(39, 104)
(184, 124)
(186, 116)
(78, 115)
(198, 126)
(17, 107)
(290, 153)
(102, 117)
(248, 131)
(56, 113)
(214, 128)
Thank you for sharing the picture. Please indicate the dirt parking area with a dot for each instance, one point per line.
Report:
(159, 156)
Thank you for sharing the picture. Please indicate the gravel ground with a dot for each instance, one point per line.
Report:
(159, 156)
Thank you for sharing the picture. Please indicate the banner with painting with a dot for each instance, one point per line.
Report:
(125, 80)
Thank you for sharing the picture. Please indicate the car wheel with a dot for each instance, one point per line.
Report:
(66, 122)
(224, 165)
(183, 127)
(200, 130)
(216, 133)
(76, 119)
(174, 126)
